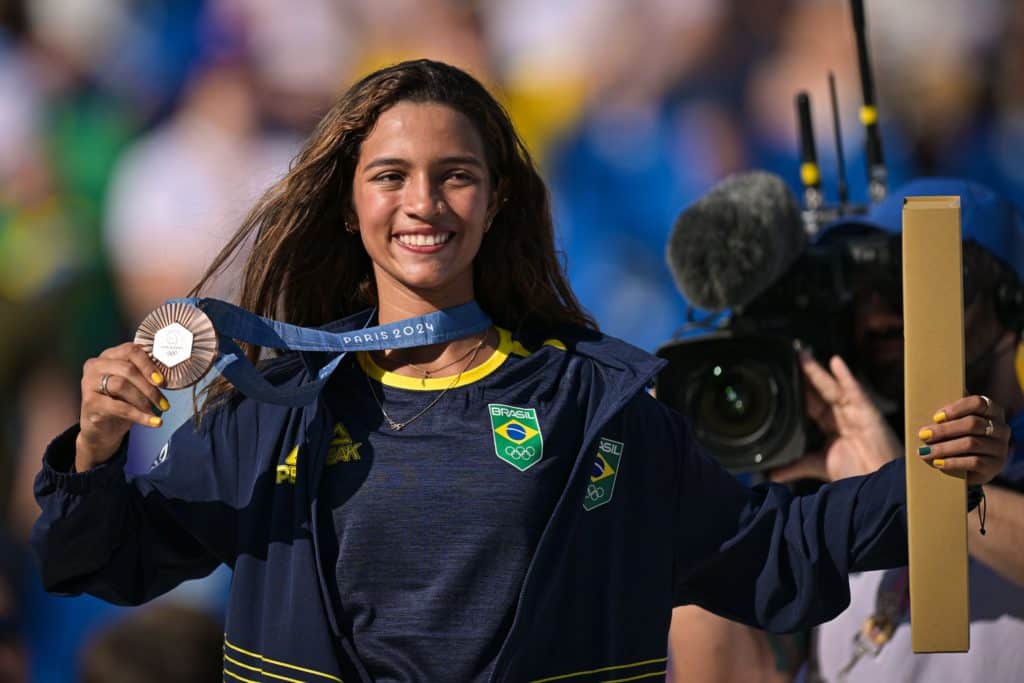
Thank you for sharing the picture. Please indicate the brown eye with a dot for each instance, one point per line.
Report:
(460, 177)
(388, 178)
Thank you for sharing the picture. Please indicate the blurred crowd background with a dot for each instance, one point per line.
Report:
(135, 134)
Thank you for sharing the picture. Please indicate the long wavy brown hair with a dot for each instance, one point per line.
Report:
(305, 268)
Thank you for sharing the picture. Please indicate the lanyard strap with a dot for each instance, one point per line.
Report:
(892, 602)
(233, 322)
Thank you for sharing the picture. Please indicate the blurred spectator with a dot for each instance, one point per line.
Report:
(990, 149)
(637, 155)
(177, 195)
(55, 294)
(182, 189)
(159, 643)
(447, 30)
(934, 70)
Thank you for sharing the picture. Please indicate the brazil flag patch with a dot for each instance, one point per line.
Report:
(603, 472)
(517, 437)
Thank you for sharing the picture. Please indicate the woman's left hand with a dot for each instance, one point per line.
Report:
(969, 435)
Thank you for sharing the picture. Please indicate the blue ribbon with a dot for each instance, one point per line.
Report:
(232, 322)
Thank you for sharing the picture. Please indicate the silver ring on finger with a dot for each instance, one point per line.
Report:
(989, 428)
(988, 403)
(103, 384)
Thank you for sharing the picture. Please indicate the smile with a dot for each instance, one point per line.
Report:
(420, 240)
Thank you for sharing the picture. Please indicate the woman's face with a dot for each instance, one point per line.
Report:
(421, 193)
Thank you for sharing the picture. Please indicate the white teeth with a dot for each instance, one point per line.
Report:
(416, 240)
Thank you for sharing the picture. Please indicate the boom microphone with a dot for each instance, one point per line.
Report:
(737, 240)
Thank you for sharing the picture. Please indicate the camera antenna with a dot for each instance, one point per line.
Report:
(840, 156)
(810, 174)
(877, 179)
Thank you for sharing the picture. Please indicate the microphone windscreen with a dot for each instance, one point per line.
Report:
(734, 242)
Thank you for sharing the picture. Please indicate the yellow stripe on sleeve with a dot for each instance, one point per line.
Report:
(607, 668)
(637, 678)
(239, 678)
(286, 665)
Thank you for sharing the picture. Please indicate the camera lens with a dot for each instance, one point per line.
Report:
(735, 402)
(742, 395)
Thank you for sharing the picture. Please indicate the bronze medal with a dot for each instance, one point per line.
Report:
(182, 342)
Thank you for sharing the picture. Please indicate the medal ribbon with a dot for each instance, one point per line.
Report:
(233, 322)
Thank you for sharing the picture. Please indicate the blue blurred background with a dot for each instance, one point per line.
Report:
(134, 135)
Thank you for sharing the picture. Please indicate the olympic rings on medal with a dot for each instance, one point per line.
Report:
(520, 452)
(103, 385)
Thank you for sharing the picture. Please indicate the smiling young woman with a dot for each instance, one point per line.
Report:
(504, 505)
(419, 149)
(422, 199)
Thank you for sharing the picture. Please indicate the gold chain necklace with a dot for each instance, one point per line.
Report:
(428, 372)
(399, 426)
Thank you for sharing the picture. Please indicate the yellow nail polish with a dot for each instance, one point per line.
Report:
(939, 462)
(157, 378)
(925, 434)
(164, 404)
(156, 421)
(939, 417)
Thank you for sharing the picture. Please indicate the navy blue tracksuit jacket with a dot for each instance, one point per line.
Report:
(596, 601)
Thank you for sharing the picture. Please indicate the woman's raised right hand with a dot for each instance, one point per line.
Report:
(119, 388)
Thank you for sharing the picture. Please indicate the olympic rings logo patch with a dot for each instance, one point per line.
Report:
(520, 452)
(603, 473)
(517, 435)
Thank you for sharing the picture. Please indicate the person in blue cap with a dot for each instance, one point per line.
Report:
(870, 641)
(498, 503)
(877, 619)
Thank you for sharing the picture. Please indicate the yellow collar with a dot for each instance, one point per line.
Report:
(391, 379)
